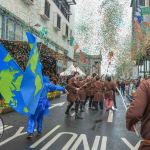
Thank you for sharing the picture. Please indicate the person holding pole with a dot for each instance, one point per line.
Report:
(139, 110)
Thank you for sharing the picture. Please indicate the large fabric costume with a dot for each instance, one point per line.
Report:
(42, 108)
(139, 110)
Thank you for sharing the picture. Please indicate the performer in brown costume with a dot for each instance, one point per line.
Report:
(110, 87)
(139, 110)
(90, 90)
(72, 96)
(98, 95)
(82, 92)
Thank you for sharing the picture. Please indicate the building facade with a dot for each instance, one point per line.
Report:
(56, 16)
(140, 50)
(93, 64)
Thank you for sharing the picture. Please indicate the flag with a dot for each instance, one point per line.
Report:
(10, 81)
(82, 57)
(32, 82)
(138, 19)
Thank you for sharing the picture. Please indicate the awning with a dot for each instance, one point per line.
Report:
(72, 69)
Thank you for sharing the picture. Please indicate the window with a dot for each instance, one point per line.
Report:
(58, 21)
(67, 30)
(142, 2)
(47, 8)
(10, 30)
(64, 7)
(19, 33)
(0, 25)
(24, 35)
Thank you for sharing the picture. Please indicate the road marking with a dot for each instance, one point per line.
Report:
(130, 145)
(6, 127)
(82, 138)
(17, 134)
(9, 127)
(110, 116)
(104, 143)
(57, 105)
(67, 145)
(96, 143)
(44, 137)
(73, 114)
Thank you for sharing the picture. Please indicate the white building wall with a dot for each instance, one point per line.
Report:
(31, 15)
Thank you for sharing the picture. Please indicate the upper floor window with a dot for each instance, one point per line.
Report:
(47, 8)
(19, 33)
(58, 21)
(0, 25)
(64, 7)
(142, 2)
(67, 30)
(10, 30)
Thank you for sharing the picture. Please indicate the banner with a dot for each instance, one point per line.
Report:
(32, 82)
(10, 81)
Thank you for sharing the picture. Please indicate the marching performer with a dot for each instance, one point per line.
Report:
(82, 92)
(42, 108)
(110, 87)
(72, 96)
(98, 95)
(139, 110)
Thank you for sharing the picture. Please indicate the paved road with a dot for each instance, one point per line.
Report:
(62, 133)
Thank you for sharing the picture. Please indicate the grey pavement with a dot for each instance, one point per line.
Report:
(66, 133)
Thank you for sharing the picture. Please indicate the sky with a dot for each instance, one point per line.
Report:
(88, 17)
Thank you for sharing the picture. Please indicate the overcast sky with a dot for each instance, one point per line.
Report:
(88, 14)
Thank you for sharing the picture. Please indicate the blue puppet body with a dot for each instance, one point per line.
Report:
(42, 108)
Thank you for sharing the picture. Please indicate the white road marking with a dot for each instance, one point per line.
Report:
(104, 143)
(57, 105)
(130, 145)
(17, 134)
(82, 138)
(110, 116)
(9, 127)
(68, 144)
(6, 127)
(44, 137)
(96, 143)
(73, 114)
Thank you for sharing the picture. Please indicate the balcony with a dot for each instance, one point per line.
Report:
(71, 2)
(64, 6)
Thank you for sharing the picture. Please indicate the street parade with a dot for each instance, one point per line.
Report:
(74, 75)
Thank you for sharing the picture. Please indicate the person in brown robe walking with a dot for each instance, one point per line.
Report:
(87, 89)
(98, 94)
(82, 92)
(72, 88)
(139, 110)
(110, 87)
(92, 90)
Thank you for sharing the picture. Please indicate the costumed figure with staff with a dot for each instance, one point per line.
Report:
(139, 111)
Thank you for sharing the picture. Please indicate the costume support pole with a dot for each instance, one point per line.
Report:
(136, 132)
